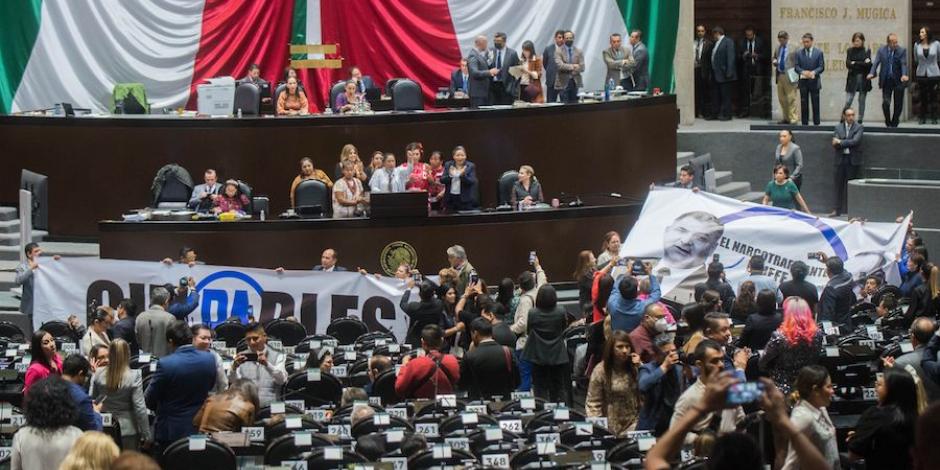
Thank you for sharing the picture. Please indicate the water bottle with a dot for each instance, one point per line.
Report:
(608, 88)
(239, 113)
(262, 215)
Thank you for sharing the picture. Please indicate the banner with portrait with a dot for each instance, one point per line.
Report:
(686, 230)
(73, 285)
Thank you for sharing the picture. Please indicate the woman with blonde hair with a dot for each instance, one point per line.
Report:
(350, 154)
(93, 451)
(795, 344)
(120, 391)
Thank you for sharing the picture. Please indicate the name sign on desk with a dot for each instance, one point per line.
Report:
(226, 291)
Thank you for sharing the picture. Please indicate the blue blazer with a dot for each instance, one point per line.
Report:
(457, 83)
(815, 63)
(897, 58)
(468, 183)
(178, 389)
(654, 407)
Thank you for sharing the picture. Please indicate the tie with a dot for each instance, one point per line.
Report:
(750, 48)
(389, 180)
(499, 59)
(782, 60)
(465, 84)
(890, 63)
(570, 58)
(698, 50)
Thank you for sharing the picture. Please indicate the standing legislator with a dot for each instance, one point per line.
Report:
(752, 61)
(847, 141)
(619, 61)
(810, 64)
(786, 92)
(892, 78)
(481, 74)
(641, 71)
(551, 70)
(569, 61)
(724, 73)
(701, 46)
(505, 86)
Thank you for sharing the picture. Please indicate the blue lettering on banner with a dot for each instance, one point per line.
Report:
(217, 300)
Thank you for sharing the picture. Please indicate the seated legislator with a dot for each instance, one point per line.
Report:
(460, 178)
(204, 194)
(231, 199)
(348, 196)
(530, 84)
(460, 81)
(388, 179)
(416, 174)
(782, 192)
(308, 172)
(526, 190)
(292, 101)
(363, 82)
(254, 77)
(348, 100)
(290, 72)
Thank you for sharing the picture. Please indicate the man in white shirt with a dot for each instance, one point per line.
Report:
(261, 364)
(708, 358)
(388, 179)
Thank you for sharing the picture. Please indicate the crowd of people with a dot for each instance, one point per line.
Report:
(646, 365)
(798, 68)
(451, 185)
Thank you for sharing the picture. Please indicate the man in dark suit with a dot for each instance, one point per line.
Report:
(505, 86)
(837, 298)
(328, 262)
(641, 72)
(752, 60)
(892, 78)
(460, 81)
(809, 65)
(700, 45)
(489, 369)
(179, 386)
(481, 74)
(724, 73)
(124, 328)
(363, 82)
(847, 141)
(548, 61)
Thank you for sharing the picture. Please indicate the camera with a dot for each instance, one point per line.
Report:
(638, 269)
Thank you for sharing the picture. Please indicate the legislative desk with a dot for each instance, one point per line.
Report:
(100, 166)
(498, 243)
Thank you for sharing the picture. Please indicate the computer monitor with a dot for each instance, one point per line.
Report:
(373, 95)
(38, 185)
(390, 205)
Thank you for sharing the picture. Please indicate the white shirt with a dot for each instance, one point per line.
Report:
(35, 450)
(816, 425)
(351, 190)
(717, 43)
(388, 181)
(268, 378)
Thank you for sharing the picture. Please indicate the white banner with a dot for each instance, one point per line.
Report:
(686, 230)
(69, 285)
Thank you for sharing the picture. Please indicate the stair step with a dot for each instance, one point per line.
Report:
(733, 189)
(9, 302)
(12, 253)
(10, 226)
(8, 213)
(723, 177)
(753, 196)
(13, 239)
(6, 280)
(684, 157)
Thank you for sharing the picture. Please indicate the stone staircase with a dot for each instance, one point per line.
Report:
(726, 186)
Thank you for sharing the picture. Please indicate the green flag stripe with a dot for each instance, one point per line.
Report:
(299, 26)
(659, 21)
(20, 20)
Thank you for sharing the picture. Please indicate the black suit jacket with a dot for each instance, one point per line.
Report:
(420, 314)
(509, 58)
(851, 141)
(801, 289)
(758, 329)
(337, 269)
(489, 370)
(760, 52)
(124, 329)
(365, 84)
(837, 299)
(725, 292)
(548, 61)
(724, 64)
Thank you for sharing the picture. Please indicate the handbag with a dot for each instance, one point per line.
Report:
(530, 92)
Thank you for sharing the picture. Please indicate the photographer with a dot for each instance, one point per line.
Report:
(661, 382)
(185, 298)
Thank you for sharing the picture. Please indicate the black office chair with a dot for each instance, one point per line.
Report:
(546, 419)
(516, 405)
(304, 345)
(347, 329)
(368, 426)
(10, 331)
(390, 83)
(624, 452)
(384, 388)
(311, 198)
(328, 391)
(289, 332)
(454, 425)
(174, 193)
(59, 329)
(529, 455)
(231, 332)
(337, 89)
(216, 456)
(265, 412)
(893, 290)
(280, 428)
(317, 460)
(426, 460)
(284, 448)
(406, 96)
(479, 445)
(248, 99)
(504, 186)
(281, 87)
(367, 341)
(114, 431)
